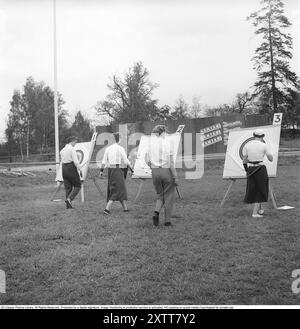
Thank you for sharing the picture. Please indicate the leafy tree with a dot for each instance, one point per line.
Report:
(220, 110)
(31, 118)
(271, 60)
(291, 113)
(196, 110)
(130, 97)
(162, 113)
(243, 103)
(81, 127)
(181, 109)
(16, 125)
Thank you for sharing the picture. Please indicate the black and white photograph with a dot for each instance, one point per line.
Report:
(149, 155)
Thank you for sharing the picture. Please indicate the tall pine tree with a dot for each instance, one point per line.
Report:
(271, 60)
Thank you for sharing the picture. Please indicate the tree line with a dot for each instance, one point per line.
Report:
(30, 123)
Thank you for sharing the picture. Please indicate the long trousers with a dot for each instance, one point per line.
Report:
(164, 186)
(72, 181)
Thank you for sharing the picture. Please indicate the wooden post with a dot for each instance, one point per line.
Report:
(232, 181)
(82, 192)
(272, 195)
(178, 192)
(97, 186)
(139, 189)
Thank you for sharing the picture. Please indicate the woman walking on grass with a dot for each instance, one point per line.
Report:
(115, 159)
(161, 160)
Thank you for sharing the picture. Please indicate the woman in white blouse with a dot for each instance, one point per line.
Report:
(257, 177)
(115, 159)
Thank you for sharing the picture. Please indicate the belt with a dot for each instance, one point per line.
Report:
(254, 163)
(160, 167)
(68, 163)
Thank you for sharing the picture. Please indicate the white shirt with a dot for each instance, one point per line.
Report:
(68, 154)
(255, 150)
(115, 155)
(159, 151)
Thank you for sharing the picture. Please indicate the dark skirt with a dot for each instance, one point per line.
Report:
(116, 187)
(257, 189)
(70, 174)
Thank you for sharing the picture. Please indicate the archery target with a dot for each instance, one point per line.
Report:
(80, 156)
(84, 152)
(238, 139)
(141, 168)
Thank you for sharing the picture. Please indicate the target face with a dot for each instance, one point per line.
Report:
(244, 144)
(238, 139)
(80, 156)
(84, 152)
(141, 169)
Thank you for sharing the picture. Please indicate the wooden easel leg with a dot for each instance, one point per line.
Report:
(272, 195)
(59, 185)
(82, 193)
(97, 186)
(139, 190)
(179, 193)
(232, 181)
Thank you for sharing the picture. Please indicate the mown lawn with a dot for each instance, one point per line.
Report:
(211, 255)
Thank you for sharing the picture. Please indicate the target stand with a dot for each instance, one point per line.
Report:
(140, 188)
(271, 194)
(233, 166)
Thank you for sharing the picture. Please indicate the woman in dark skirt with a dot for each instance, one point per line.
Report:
(257, 176)
(115, 159)
(116, 186)
(70, 171)
(257, 184)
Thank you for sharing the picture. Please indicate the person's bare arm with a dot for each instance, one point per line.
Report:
(103, 163)
(173, 169)
(75, 159)
(245, 158)
(126, 160)
(245, 161)
(269, 155)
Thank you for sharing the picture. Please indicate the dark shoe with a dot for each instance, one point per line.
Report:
(126, 210)
(106, 212)
(68, 204)
(168, 224)
(155, 219)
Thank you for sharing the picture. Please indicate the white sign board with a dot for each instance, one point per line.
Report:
(84, 153)
(233, 167)
(141, 168)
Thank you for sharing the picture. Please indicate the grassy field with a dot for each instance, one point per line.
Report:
(211, 255)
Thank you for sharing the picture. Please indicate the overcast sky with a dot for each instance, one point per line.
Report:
(192, 48)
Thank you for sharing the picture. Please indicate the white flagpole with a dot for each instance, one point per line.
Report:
(55, 90)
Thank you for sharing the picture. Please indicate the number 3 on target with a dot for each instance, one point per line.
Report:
(277, 119)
